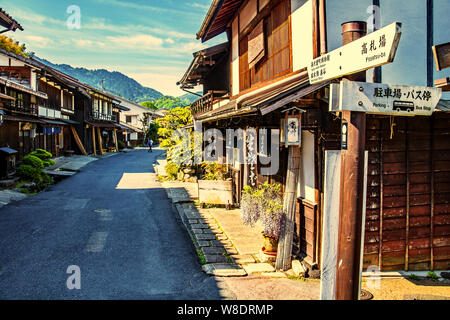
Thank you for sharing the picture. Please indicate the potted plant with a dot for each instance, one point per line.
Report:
(265, 205)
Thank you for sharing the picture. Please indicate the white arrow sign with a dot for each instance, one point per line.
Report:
(373, 50)
(378, 98)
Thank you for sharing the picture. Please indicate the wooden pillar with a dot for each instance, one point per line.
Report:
(284, 255)
(93, 141)
(100, 141)
(115, 139)
(352, 182)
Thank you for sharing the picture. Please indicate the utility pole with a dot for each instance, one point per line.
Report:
(430, 42)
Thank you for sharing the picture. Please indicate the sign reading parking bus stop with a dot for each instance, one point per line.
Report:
(378, 98)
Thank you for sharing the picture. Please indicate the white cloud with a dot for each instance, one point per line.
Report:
(140, 41)
(198, 5)
(88, 43)
(36, 41)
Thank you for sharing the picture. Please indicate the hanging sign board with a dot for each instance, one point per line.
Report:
(442, 56)
(377, 98)
(373, 50)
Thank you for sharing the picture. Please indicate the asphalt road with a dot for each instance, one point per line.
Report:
(126, 241)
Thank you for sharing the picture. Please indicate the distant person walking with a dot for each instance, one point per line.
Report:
(150, 145)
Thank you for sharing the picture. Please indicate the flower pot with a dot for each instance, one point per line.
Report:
(270, 244)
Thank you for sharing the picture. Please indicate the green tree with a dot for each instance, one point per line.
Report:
(8, 44)
(174, 119)
(149, 105)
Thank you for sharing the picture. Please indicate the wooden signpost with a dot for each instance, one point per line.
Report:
(376, 49)
(377, 98)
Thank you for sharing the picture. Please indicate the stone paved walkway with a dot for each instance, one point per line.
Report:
(246, 240)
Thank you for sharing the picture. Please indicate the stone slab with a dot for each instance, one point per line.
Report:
(212, 250)
(213, 258)
(298, 268)
(203, 243)
(243, 259)
(197, 231)
(224, 270)
(258, 268)
(205, 236)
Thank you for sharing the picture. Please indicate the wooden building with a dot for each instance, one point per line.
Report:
(8, 22)
(262, 71)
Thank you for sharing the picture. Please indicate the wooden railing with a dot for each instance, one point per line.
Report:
(205, 103)
(31, 108)
(100, 116)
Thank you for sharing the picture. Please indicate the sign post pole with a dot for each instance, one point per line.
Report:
(351, 189)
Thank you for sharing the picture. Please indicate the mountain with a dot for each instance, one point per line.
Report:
(114, 82)
(191, 97)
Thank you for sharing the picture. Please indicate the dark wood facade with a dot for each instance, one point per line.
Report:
(408, 204)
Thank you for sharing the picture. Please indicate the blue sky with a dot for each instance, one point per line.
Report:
(151, 41)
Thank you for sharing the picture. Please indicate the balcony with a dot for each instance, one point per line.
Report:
(207, 102)
(101, 116)
(29, 109)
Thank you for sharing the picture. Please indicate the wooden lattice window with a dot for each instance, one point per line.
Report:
(277, 61)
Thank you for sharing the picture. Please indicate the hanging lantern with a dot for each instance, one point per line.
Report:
(291, 127)
(2, 114)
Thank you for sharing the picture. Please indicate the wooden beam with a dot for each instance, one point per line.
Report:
(352, 188)
(284, 256)
(99, 134)
(78, 140)
(115, 139)
(93, 141)
(351, 207)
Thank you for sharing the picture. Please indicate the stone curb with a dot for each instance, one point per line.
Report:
(206, 236)
(217, 261)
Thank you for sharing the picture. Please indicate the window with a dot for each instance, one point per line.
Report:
(277, 61)
(128, 119)
(19, 100)
(67, 101)
(13, 94)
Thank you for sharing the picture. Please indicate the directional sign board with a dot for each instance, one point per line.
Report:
(377, 98)
(375, 49)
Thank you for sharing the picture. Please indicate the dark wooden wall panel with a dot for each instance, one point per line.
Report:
(408, 196)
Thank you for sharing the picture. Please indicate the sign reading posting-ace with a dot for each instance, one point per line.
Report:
(373, 50)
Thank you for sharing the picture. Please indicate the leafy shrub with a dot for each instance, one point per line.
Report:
(48, 163)
(264, 204)
(433, 276)
(213, 171)
(172, 170)
(33, 161)
(42, 154)
(46, 181)
(29, 173)
(121, 145)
